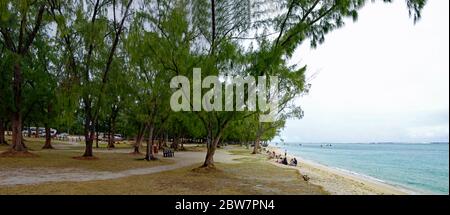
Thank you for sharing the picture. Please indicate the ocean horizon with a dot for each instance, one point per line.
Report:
(420, 167)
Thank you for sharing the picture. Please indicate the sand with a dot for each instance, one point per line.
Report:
(340, 182)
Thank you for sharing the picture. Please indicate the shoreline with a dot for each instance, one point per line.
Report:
(339, 181)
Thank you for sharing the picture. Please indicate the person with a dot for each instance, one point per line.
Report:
(270, 154)
(284, 161)
(294, 162)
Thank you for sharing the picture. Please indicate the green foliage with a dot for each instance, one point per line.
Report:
(82, 69)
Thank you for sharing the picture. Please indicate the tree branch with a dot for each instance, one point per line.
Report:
(36, 28)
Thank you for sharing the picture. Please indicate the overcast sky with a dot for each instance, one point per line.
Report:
(379, 79)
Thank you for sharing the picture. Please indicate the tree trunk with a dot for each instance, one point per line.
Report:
(96, 135)
(136, 149)
(96, 138)
(139, 137)
(112, 132)
(36, 134)
(182, 144)
(48, 138)
(17, 143)
(256, 147)
(89, 143)
(211, 146)
(176, 142)
(150, 155)
(2, 133)
(160, 141)
(89, 127)
(258, 139)
(166, 137)
(88, 138)
(29, 130)
(211, 150)
(16, 121)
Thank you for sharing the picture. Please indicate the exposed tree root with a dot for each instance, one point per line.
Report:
(206, 169)
(14, 153)
(48, 147)
(85, 158)
(135, 153)
(151, 158)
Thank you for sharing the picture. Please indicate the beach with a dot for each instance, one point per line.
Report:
(340, 182)
(118, 171)
(240, 172)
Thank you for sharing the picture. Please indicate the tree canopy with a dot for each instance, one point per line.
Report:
(86, 66)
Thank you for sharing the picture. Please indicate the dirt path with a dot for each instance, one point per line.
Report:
(23, 176)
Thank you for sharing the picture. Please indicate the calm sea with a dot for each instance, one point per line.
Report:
(420, 167)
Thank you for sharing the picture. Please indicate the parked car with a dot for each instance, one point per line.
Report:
(62, 136)
(105, 137)
(118, 137)
(31, 130)
(40, 131)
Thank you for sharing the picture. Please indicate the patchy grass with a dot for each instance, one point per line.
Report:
(117, 145)
(253, 175)
(64, 159)
(243, 178)
(194, 148)
(35, 144)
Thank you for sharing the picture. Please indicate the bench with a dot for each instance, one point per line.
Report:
(168, 153)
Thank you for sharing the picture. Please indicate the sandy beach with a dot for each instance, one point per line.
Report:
(340, 182)
(56, 171)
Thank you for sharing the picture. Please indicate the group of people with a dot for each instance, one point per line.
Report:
(282, 160)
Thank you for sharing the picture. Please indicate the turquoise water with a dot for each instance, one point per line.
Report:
(420, 167)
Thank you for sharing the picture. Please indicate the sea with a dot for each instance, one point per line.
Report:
(420, 167)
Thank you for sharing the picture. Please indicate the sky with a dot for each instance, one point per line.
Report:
(381, 79)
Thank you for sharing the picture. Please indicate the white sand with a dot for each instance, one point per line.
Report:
(340, 182)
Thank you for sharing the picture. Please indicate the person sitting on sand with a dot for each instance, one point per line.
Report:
(279, 160)
(284, 161)
(293, 162)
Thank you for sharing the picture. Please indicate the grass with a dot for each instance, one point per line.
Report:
(251, 175)
(193, 148)
(63, 158)
(232, 179)
(35, 144)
